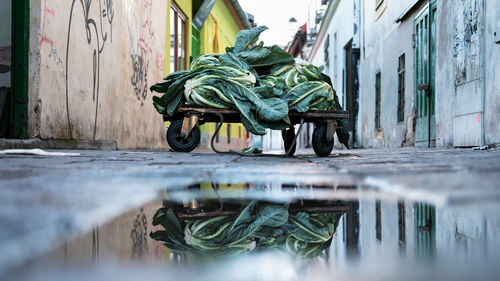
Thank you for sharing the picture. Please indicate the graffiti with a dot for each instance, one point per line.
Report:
(97, 30)
(44, 38)
(139, 234)
(143, 53)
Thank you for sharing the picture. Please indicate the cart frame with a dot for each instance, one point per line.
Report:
(186, 132)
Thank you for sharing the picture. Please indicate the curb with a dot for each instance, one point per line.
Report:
(57, 144)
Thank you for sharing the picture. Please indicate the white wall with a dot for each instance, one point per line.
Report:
(383, 41)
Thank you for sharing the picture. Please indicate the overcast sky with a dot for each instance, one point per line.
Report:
(276, 14)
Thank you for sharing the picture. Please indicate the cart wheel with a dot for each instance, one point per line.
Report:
(321, 145)
(178, 143)
(288, 137)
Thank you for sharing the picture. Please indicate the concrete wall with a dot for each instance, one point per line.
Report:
(90, 69)
(382, 42)
(492, 73)
(467, 86)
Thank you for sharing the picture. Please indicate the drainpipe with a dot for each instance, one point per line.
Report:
(483, 70)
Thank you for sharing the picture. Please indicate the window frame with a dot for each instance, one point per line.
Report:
(378, 98)
(178, 14)
(401, 88)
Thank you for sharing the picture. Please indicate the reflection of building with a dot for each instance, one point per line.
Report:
(414, 72)
(392, 228)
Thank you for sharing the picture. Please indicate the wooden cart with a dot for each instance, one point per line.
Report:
(184, 136)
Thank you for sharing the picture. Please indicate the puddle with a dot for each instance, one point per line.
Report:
(281, 231)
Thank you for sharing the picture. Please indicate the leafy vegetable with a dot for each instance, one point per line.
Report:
(262, 83)
(259, 225)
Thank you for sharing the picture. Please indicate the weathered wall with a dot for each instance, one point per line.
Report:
(383, 41)
(96, 62)
(467, 85)
(492, 74)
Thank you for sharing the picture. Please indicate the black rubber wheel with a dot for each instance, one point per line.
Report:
(177, 142)
(288, 136)
(321, 145)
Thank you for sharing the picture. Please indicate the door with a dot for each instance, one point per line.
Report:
(351, 89)
(425, 230)
(425, 53)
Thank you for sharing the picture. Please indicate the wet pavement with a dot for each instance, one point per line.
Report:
(388, 214)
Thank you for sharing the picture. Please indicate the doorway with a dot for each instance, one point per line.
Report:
(351, 89)
(425, 58)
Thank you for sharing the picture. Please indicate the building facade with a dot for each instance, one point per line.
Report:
(414, 73)
(83, 68)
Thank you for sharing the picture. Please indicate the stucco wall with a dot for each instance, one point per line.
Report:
(467, 85)
(492, 74)
(95, 64)
(383, 41)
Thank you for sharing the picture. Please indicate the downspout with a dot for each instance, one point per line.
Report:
(483, 72)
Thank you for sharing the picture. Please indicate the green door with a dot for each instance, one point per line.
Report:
(425, 54)
(425, 230)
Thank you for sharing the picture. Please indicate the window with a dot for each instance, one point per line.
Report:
(401, 225)
(401, 88)
(178, 40)
(378, 221)
(377, 101)
(335, 65)
(325, 47)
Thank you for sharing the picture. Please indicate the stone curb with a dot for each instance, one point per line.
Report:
(57, 144)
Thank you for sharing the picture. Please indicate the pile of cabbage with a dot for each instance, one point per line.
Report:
(258, 226)
(262, 83)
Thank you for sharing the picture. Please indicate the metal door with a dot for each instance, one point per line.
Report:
(425, 50)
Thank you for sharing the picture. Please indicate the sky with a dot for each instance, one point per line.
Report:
(276, 14)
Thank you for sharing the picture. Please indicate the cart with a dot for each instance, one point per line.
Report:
(184, 136)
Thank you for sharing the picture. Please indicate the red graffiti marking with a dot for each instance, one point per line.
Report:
(44, 36)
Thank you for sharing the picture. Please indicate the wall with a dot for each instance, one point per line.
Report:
(382, 42)
(124, 239)
(91, 64)
(468, 100)
(492, 73)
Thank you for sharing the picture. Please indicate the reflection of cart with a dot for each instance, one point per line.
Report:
(183, 135)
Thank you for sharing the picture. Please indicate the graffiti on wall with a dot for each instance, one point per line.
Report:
(143, 53)
(92, 20)
(139, 236)
(45, 39)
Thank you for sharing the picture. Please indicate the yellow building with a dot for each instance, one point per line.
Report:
(198, 27)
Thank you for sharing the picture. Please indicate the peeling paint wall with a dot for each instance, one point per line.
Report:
(382, 42)
(468, 91)
(91, 65)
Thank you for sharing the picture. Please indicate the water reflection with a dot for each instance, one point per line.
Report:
(278, 231)
(302, 229)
